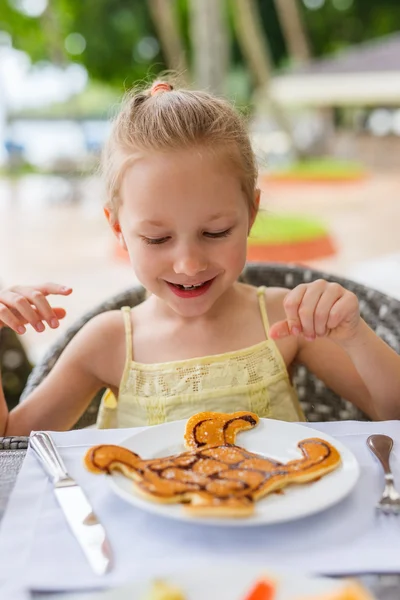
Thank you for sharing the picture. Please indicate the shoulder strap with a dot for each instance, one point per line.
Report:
(263, 309)
(126, 313)
(109, 401)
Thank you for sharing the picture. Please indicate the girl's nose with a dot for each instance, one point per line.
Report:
(190, 262)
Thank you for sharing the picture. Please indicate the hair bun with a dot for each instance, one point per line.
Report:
(160, 86)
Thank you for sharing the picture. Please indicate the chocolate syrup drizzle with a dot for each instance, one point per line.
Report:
(240, 490)
(247, 418)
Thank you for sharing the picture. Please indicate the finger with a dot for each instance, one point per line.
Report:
(346, 304)
(59, 312)
(325, 305)
(16, 317)
(279, 330)
(291, 304)
(55, 288)
(46, 311)
(22, 305)
(46, 289)
(307, 309)
(22, 309)
(37, 298)
(43, 308)
(9, 319)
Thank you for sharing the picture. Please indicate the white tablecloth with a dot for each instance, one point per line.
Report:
(12, 590)
(41, 553)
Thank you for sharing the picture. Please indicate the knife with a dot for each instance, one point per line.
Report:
(84, 524)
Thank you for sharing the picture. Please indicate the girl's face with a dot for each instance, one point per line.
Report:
(184, 220)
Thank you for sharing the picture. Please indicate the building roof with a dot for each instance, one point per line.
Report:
(364, 75)
(380, 54)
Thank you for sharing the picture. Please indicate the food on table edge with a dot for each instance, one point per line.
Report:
(161, 590)
(352, 590)
(263, 589)
(214, 477)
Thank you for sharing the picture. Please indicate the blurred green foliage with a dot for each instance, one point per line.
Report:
(330, 29)
(114, 29)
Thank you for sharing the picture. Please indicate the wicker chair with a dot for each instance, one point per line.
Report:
(318, 402)
(15, 366)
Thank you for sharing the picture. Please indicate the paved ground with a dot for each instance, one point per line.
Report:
(44, 236)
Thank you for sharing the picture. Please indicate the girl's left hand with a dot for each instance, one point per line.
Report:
(319, 309)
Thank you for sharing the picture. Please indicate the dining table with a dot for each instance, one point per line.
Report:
(384, 584)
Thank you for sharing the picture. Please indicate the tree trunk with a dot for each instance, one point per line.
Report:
(299, 50)
(255, 49)
(53, 35)
(293, 30)
(165, 21)
(209, 34)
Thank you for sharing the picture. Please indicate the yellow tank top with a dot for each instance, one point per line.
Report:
(253, 379)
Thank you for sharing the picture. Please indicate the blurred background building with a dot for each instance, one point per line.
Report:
(318, 81)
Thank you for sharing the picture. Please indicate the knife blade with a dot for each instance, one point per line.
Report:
(85, 526)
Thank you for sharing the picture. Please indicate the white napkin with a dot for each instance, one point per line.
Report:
(41, 553)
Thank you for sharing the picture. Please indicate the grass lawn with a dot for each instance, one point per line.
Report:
(330, 169)
(282, 229)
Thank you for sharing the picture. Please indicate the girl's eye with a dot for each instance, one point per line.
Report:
(151, 241)
(218, 234)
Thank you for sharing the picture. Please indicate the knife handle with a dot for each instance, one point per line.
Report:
(48, 455)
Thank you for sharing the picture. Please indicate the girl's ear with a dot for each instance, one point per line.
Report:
(255, 207)
(115, 226)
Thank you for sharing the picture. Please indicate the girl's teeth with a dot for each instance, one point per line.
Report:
(191, 287)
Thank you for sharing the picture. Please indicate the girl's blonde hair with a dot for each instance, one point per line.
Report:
(162, 118)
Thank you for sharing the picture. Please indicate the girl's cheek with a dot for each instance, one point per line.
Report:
(147, 259)
(238, 249)
(235, 260)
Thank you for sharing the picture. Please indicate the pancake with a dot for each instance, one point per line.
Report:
(214, 477)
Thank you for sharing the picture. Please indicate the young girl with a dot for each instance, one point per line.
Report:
(181, 181)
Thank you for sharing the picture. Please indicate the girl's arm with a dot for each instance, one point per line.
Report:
(85, 366)
(339, 347)
(366, 373)
(3, 409)
(92, 360)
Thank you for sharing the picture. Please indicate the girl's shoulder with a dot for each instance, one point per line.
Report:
(102, 342)
(108, 325)
(106, 320)
(272, 297)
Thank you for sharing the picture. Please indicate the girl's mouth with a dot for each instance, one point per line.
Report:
(190, 291)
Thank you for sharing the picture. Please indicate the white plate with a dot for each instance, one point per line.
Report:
(229, 581)
(274, 439)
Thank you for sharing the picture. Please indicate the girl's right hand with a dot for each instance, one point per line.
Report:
(20, 305)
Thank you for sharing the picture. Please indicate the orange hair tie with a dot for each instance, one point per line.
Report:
(162, 86)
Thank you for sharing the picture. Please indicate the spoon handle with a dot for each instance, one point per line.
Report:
(381, 446)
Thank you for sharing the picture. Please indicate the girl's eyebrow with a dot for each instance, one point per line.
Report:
(154, 223)
(221, 216)
(214, 217)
